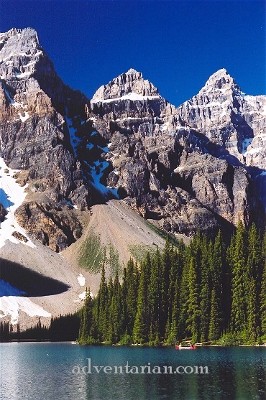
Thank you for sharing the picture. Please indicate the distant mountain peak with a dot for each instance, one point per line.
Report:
(133, 71)
(221, 79)
(19, 52)
(128, 85)
(20, 39)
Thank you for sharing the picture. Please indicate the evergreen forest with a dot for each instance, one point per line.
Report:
(208, 292)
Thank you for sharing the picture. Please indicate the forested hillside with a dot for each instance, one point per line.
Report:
(207, 291)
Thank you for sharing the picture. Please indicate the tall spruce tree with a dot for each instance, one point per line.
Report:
(254, 271)
(86, 321)
(193, 301)
(239, 281)
(205, 289)
(130, 296)
(263, 292)
(216, 273)
(154, 299)
(141, 323)
(102, 308)
(115, 311)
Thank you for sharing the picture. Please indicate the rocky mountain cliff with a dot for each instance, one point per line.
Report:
(36, 111)
(190, 168)
(199, 166)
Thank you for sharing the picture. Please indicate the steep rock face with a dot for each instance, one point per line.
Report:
(172, 164)
(229, 118)
(56, 226)
(130, 84)
(129, 103)
(36, 121)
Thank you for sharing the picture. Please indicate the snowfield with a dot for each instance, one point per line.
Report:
(81, 280)
(13, 305)
(12, 196)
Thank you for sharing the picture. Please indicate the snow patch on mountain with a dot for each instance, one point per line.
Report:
(11, 306)
(74, 139)
(245, 144)
(97, 172)
(12, 196)
(130, 96)
(81, 280)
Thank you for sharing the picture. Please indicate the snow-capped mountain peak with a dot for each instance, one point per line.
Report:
(222, 81)
(129, 85)
(19, 53)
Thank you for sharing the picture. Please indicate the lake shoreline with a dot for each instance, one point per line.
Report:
(127, 345)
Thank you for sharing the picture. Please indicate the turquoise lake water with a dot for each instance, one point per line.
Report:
(59, 371)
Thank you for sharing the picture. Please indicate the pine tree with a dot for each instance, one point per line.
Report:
(239, 282)
(263, 292)
(182, 323)
(173, 324)
(214, 327)
(205, 292)
(193, 301)
(164, 292)
(130, 296)
(216, 274)
(86, 318)
(154, 299)
(254, 262)
(141, 323)
(102, 308)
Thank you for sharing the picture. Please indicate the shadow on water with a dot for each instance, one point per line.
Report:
(28, 281)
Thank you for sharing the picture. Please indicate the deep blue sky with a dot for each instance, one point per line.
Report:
(176, 44)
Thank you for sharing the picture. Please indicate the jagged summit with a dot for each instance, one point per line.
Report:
(221, 80)
(19, 52)
(128, 85)
(133, 71)
(18, 41)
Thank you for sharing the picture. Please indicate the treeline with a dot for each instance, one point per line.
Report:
(206, 291)
(62, 328)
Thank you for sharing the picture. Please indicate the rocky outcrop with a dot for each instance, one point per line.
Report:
(36, 109)
(3, 212)
(39, 117)
(229, 118)
(54, 225)
(128, 85)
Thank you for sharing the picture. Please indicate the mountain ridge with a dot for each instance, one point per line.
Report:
(127, 142)
(102, 165)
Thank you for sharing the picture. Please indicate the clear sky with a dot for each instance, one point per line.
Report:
(177, 45)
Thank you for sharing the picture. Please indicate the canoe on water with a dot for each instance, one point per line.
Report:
(180, 347)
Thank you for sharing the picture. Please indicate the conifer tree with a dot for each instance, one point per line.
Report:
(102, 307)
(239, 282)
(254, 271)
(164, 292)
(154, 299)
(214, 327)
(263, 292)
(193, 301)
(216, 274)
(115, 311)
(141, 323)
(130, 296)
(86, 318)
(182, 323)
(205, 296)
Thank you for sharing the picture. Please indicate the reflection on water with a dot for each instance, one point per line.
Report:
(44, 371)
